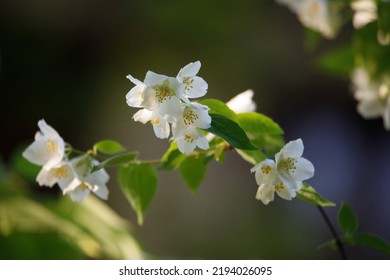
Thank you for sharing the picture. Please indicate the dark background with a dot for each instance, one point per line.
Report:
(67, 61)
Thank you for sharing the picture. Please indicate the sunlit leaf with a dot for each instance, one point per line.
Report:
(230, 131)
(218, 107)
(139, 184)
(263, 132)
(347, 219)
(310, 195)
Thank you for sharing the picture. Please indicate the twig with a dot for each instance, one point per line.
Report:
(339, 243)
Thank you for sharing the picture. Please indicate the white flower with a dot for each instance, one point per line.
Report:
(162, 94)
(195, 86)
(62, 174)
(74, 178)
(188, 138)
(186, 130)
(134, 97)
(365, 11)
(315, 14)
(48, 149)
(85, 181)
(291, 167)
(284, 175)
(373, 96)
(242, 102)
(269, 182)
(160, 124)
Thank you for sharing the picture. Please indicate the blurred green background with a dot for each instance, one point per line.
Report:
(67, 61)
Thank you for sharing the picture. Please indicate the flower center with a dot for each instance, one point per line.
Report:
(163, 93)
(51, 146)
(189, 116)
(288, 164)
(188, 138)
(155, 121)
(279, 187)
(61, 172)
(188, 83)
(83, 186)
(266, 169)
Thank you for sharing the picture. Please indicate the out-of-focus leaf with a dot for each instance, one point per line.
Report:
(139, 183)
(310, 195)
(109, 147)
(172, 159)
(347, 219)
(339, 62)
(116, 160)
(193, 170)
(373, 242)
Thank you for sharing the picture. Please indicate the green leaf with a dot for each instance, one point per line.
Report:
(172, 159)
(340, 61)
(218, 107)
(193, 170)
(230, 131)
(139, 183)
(347, 219)
(310, 195)
(116, 160)
(109, 147)
(372, 241)
(262, 131)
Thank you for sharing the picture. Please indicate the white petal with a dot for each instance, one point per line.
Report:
(46, 178)
(386, 116)
(170, 107)
(184, 146)
(190, 69)
(292, 149)
(134, 80)
(265, 194)
(304, 170)
(199, 88)
(371, 108)
(161, 129)
(102, 192)
(286, 193)
(202, 142)
(242, 102)
(143, 116)
(79, 194)
(149, 101)
(152, 79)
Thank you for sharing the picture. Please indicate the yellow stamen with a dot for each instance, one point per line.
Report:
(51, 146)
(266, 169)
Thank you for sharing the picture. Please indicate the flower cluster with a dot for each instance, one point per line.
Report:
(74, 175)
(373, 95)
(165, 103)
(284, 175)
(319, 15)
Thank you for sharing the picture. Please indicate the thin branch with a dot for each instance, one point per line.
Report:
(339, 243)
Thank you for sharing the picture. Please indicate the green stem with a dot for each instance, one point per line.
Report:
(339, 243)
